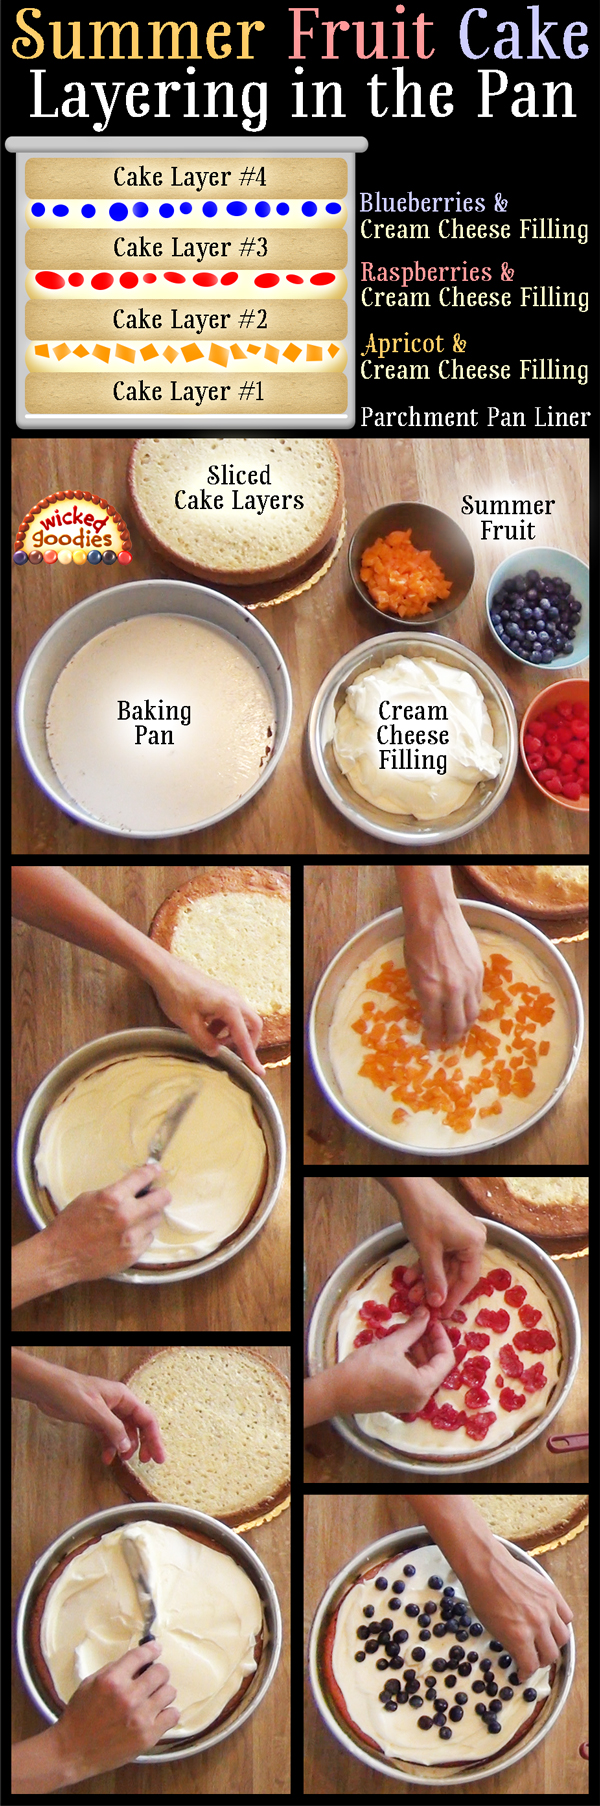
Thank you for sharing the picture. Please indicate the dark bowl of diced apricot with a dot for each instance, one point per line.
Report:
(411, 565)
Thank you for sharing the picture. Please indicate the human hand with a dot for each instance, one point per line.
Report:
(522, 1608)
(120, 1419)
(449, 1241)
(195, 1002)
(445, 969)
(381, 1377)
(116, 1714)
(103, 1232)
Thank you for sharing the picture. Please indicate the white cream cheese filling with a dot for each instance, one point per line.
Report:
(425, 1128)
(208, 1618)
(421, 1436)
(398, 1733)
(212, 1166)
(425, 763)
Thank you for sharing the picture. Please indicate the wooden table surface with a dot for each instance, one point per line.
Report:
(340, 1212)
(292, 813)
(337, 1527)
(340, 899)
(58, 1478)
(63, 997)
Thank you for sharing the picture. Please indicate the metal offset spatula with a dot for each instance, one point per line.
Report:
(134, 1559)
(166, 1130)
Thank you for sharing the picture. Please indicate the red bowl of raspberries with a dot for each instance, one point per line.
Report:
(555, 743)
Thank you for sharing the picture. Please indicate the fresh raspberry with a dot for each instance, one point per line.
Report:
(476, 1338)
(566, 710)
(475, 1369)
(534, 1340)
(483, 1289)
(533, 1378)
(453, 1335)
(373, 1312)
(529, 1317)
(553, 753)
(407, 1416)
(497, 1320)
(398, 1275)
(446, 1418)
(517, 1295)
(509, 1362)
(399, 1300)
(564, 735)
(500, 1278)
(572, 790)
(581, 711)
(454, 1380)
(580, 730)
(535, 761)
(429, 1408)
(459, 1316)
(499, 1381)
(477, 1427)
(544, 775)
(459, 1352)
(364, 1336)
(567, 765)
(476, 1396)
(511, 1401)
(385, 1329)
(554, 784)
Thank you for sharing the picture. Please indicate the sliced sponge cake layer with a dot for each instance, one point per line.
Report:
(224, 1419)
(533, 1519)
(233, 922)
(237, 511)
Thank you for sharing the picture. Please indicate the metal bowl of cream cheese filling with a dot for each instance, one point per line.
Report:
(93, 617)
(351, 1273)
(393, 1768)
(150, 1040)
(100, 1523)
(405, 830)
(388, 928)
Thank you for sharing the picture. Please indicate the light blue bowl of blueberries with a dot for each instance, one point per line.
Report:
(537, 607)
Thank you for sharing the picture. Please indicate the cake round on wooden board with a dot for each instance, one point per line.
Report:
(537, 890)
(224, 1418)
(233, 923)
(236, 543)
(551, 1207)
(39, 1637)
(416, 1712)
(534, 1520)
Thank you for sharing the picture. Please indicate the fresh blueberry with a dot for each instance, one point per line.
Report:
(418, 1655)
(480, 1709)
(530, 1693)
(397, 1586)
(449, 1592)
(456, 1713)
(491, 1688)
(395, 1605)
(506, 1693)
(393, 1688)
(381, 1582)
(479, 1686)
(363, 1632)
(424, 1620)
(401, 1636)
(371, 1646)
(391, 1705)
(455, 1653)
(520, 585)
(486, 1663)
(416, 1701)
(450, 1680)
(547, 655)
(497, 1706)
(495, 1645)
(439, 1666)
(476, 1628)
(410, 1675)
(360, 1656)
(435, 1583)
(397, 1662)
(430, 1606)
(425, 1636)
(409, 1571)
(369, 1611)
(471, 1655)
(382, 1663)
(461, 1698)
(441, 1704)
(424, 1723)
(505, 1661)
(536, 658)
(412, 1611)
(439, 1720)
(462, 1633)
(445, 1732)
(494, 1725)
(514, 1680)
(439, 1630)
(464, 1668)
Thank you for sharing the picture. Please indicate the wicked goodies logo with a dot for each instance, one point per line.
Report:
(73, 526)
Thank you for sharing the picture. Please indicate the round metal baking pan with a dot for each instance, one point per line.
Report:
(412, 1772)
(405, 830)
(147, 1041)
(100, 1523)
(321, 1348)
(161, 596)
(388, 928)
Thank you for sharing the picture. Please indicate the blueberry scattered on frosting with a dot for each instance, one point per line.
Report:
(419, 1703)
